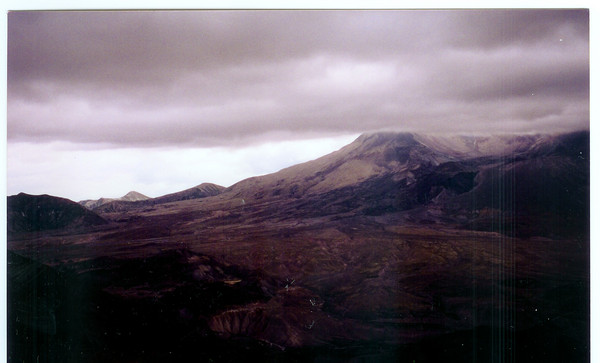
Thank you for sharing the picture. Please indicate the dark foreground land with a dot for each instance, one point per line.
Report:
(424, 257)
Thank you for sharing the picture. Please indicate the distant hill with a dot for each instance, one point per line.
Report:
(200, 191)
(132, 196)
(27, 213)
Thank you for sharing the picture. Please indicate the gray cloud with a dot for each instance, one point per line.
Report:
(209, 78)
(499, 28)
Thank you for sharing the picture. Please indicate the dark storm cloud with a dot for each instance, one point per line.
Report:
(217, 77)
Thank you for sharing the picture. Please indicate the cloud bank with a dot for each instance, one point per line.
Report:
(236, 78)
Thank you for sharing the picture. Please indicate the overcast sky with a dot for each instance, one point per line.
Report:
(100, 103)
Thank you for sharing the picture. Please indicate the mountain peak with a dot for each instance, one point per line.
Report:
(133, 196)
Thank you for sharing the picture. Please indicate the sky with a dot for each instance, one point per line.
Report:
(101, 103)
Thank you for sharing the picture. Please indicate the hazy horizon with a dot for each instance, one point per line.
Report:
(101, 103)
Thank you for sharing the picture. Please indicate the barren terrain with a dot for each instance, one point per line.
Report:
(391, 249)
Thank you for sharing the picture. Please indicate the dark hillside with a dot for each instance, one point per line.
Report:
(27, 213)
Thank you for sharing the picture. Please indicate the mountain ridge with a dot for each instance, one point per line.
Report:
(203, 190)
(131, 196)
(416, 178)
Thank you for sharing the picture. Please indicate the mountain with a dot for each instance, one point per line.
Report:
(27, 213)
(399, 156)
(93, 203)
(132, 196)
(397, 247)
(203, 190)
(537, 184)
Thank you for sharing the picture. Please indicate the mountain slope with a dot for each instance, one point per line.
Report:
(200, 191)
(132, 196)
(545, 191)
(378, 154)
(28, 213)
(527, 185)
(203, 190)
